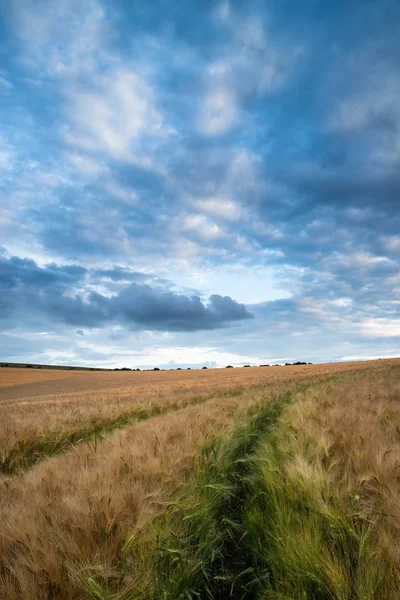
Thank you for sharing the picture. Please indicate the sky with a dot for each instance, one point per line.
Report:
(200, 182)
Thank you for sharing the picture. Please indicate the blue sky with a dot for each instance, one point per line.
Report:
(199, 182)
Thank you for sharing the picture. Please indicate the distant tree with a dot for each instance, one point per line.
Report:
(246, 365)
(28, 366)
(264, 365)
(179, 369)
(156, 369)
(204, 367)
(189, 369)
(295, 364)
(229, 367)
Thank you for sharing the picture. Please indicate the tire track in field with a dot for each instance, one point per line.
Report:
(25, 454)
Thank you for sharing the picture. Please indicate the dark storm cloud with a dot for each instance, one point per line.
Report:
(17, 272)
(51, 291)
(157, 309)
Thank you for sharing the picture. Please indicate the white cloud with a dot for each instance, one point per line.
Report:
(380, 327)
(268, 231)
(109, 107)
(204, 229)
(223, 12)
(219, 112)
(159, 355)
(341, 302)
(85, 165)
(392, 242)
(63, 38)
(223, 208)
(110, 116)
(252, 63)
(6, 155)
(4, 83)
(367, 356)
(115, 190)
(362, 260)
(376, 96)
(52, 356)
(370, 103)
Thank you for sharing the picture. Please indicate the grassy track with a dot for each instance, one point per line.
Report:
(199, 548)
(259, 518)
(25, 454)
(208, 557)
(299, 500)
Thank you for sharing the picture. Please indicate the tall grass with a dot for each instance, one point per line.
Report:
(305, 545)
(196, 549)
(44, 403)
(316, 529)
(264, 516)
(73, 513)
(296, 498)
(26, 453)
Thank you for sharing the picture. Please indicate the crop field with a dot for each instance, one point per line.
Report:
(263, 482)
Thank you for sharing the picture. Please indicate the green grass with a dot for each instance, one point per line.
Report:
(26, 453)
(305, 546)
(248, 524)
(207, 556)
(197, 549)
(252, 520)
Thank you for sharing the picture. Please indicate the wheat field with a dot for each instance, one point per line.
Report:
(263, 482)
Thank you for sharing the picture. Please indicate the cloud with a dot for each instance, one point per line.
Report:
(62, 40)
(219, 112)
(116, 111)
(6, 155)
(222, 208)
(259, 149)
(120, 274)
(19, 272)
(202, 227)
(157, 309)
(381, 327)
(60, 293)
(252, 63)
(5, 84)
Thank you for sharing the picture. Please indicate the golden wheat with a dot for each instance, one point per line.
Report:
(77, 510)
(37, 402)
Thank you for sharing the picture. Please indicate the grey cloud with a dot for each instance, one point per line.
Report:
(24, 271)
(155, 308)
(314, 167)
(51, 291)
(119, 274)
